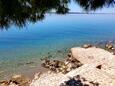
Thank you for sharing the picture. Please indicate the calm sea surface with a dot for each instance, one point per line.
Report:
(22, 48)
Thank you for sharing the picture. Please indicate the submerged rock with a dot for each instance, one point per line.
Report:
(54, 65)
(59, 51)
(109, 46)
(61, 66)
(45, 62)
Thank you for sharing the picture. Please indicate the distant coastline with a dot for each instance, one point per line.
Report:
(79, 13)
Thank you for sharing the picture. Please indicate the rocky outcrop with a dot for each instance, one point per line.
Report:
(89, 66)
(97, 70)
(61, 66)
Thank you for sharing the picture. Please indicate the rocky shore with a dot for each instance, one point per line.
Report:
(84, 66)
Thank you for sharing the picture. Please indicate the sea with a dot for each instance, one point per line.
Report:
(21, 48)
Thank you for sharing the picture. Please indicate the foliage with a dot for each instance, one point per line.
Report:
(19, 12)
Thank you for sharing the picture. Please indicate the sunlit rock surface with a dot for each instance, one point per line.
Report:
(98, 67)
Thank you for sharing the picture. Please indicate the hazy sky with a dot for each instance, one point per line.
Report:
(76, 8)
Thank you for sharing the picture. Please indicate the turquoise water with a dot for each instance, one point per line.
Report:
(52, 37)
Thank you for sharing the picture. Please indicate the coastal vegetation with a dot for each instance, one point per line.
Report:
(20, 12)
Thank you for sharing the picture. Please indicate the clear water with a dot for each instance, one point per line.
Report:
(55, 33)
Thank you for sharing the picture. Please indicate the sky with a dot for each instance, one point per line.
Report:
(76, 8)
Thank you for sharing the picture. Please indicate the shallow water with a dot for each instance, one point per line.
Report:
(22, 48)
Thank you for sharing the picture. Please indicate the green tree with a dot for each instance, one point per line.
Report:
(19, 12)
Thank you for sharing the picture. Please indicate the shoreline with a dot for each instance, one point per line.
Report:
(94, 72)
(48, 72)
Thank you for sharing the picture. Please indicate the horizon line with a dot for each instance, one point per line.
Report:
(81, 13)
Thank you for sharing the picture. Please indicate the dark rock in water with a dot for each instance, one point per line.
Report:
(59, 51)
(60, 66)
(57, 66)
(87, 46)
(101, 44)
(54, 65)
(48, 52)
(106, 44)
(45, 62)
(49, 56)
(109, 46)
